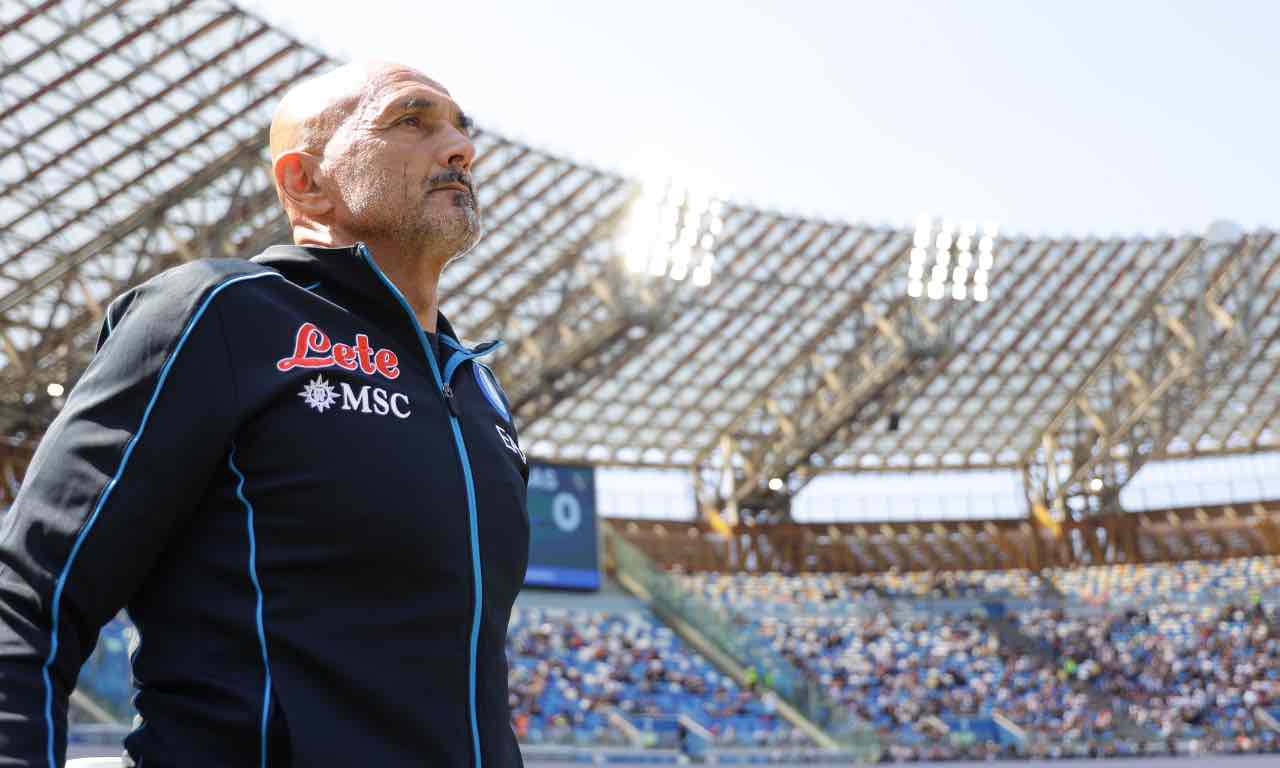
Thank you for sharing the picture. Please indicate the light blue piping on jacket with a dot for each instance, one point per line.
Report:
(463, 355)
(257, 589)
(476, 571)
(56, 603)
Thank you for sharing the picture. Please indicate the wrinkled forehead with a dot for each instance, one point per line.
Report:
(393, 84)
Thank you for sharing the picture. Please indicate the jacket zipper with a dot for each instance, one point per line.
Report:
(446, 392)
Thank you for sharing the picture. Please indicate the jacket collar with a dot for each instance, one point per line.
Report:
(344, 269)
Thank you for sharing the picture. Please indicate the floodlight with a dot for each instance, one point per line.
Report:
(775, 484)
(947, 240)
(55, 389)
(669, 226)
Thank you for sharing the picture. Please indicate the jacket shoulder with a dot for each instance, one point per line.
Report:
(197, 276)
(179, 292)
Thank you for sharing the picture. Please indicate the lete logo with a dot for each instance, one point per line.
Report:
(312, 349)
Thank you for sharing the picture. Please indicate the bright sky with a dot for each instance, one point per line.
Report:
(1052, 118)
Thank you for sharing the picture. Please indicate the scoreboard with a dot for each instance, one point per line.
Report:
(564, 548)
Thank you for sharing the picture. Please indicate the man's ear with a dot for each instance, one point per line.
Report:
(295, 174)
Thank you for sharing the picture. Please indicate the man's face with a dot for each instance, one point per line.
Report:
(401, 165)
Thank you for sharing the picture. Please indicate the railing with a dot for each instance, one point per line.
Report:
(769, 667)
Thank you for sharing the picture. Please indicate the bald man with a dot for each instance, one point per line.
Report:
(306, 490)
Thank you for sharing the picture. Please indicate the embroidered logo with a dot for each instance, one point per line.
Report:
(319, 394)
(313, 349)
(511, 443)
(375, 400)
(492, 392)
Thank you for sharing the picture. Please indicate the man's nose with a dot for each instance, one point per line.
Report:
(458, 151)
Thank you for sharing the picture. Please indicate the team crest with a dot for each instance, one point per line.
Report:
(492, 392)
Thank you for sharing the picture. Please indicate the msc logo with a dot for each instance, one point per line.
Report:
(320, 395)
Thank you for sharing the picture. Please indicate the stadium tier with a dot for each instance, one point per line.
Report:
(1215, 583)
(972, 680)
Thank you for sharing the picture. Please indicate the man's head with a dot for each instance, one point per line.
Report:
(376, 152)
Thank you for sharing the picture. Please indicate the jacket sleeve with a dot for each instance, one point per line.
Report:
(127, 458)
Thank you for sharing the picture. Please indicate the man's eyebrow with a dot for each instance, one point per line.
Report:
(416, 104)
(421, 104)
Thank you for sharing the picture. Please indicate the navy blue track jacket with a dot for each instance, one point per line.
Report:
(313, 511)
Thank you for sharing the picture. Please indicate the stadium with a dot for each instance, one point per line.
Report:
(1110, 591)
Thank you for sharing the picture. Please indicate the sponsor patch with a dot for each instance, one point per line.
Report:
(312, 348)
(320, 395)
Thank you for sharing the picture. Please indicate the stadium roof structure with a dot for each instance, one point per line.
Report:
(133, 137)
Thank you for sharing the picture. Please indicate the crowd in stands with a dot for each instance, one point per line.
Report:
(892, 673)
(569, 668)
(948, 672)
(1213, 582)
(749, 592)
(1182, 673)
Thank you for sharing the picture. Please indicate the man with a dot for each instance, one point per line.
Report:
(307, 491)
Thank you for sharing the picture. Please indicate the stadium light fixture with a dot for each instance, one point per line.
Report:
(672, 230)
(775, 484)
(945, 263)
(55, 389)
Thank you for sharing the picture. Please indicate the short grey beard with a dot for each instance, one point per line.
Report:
(452, 239)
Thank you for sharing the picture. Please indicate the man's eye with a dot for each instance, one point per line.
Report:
(411, 121)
